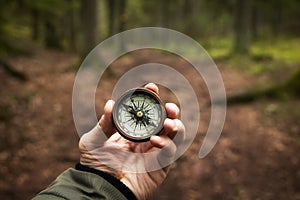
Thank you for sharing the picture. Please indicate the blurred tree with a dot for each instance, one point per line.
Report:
(112, 15)
(5, 35)
(122, 21)
(6, 45)
(46, 17)
(165, 13)
(52, 38)
(271, 19)
(117, 16)
(191, 11)
(122, 16)
(242, 26)
(70, 18)
(89, 24)
(72, 24)
(35, 17)
(255, 20)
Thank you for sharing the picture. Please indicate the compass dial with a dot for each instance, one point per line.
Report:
(138, 114)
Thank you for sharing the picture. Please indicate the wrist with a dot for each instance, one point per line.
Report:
(123, 188)
(100, 167)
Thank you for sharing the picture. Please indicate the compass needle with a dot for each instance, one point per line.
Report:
(143, 104)
(144, 124)
(132, 101)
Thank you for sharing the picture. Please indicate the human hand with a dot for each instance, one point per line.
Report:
(140, 166)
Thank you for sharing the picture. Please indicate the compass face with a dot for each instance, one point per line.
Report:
(138, 114)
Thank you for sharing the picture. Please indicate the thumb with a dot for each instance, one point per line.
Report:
(105, 121)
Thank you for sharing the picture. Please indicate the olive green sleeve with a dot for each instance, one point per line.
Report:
(76, 184)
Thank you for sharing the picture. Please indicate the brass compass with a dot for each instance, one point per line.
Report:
(138, 114)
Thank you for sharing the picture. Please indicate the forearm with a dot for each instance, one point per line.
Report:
(87, 183)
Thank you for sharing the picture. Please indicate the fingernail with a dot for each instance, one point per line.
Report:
(110, 102)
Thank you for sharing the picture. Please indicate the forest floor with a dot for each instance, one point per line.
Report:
(256, 157)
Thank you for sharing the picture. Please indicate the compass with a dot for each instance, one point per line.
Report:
(138, 114)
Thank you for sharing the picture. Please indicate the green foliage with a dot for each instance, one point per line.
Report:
(266, 56)
(57, 7)
(278, 59)
(208, 21)
(218, 48)
(5, 29)
(137, 10)
(285, 49)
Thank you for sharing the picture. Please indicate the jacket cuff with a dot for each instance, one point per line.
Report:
(109, 178)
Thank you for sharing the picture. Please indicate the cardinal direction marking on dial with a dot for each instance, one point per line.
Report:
(136, 123)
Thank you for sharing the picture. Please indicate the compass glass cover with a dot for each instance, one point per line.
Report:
(138, 114)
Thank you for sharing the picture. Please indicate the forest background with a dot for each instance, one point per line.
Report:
(254, 43)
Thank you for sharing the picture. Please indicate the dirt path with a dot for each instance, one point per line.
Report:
(253, 159)
(38, 140)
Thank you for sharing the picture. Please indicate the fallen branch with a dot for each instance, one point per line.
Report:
(291, 87)
(12, 71)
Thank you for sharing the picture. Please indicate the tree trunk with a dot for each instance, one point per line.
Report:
(72, 29)
(35, 17)
(255, 22)
(242, 27)
(116, 16)
(89, 24)
(111, 5)
(52, 38)
(122, 15)
(165, 13)
(276, 19)
(191, 10)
